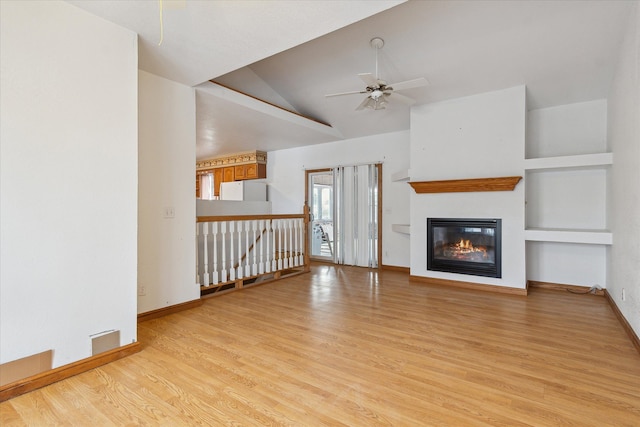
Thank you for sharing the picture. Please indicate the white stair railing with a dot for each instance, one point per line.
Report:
(236, 248)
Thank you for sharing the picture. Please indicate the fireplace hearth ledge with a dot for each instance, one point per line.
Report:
(469, 285)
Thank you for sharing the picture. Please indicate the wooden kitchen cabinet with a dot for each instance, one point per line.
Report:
(228, 174)
(250, 171)
(255, 171)
(239, 172)
(217, 179)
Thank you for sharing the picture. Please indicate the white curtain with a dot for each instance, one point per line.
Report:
(356, 215)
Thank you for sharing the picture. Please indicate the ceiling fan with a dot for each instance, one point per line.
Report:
(377, 90)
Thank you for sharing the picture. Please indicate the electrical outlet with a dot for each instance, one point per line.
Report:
(624, 297)
(142, 290)
(169, 212)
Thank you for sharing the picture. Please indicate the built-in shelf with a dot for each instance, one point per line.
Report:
(506, 183)
(594, 237)
(402, 175)
(569, 162)
(401, 228)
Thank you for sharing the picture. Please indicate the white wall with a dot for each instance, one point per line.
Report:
(166, 246)
(480, 136)
(231, 207)
(567, 263)
(286, 175)
(574, 199)
(624, 139)
(68, 105)
(566, 130)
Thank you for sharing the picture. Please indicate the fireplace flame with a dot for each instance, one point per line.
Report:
(465, 244)
(466, 247)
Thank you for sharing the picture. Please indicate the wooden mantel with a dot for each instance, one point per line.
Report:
(506, 183)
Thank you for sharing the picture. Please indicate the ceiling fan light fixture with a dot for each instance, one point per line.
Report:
(375, 103)
(378, 90)
(376, 94)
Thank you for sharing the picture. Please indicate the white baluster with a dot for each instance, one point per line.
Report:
(301, 241)
(280, 246)
(291, 254)
(254, 266)
(284, 256)
(232, 270)
(284, 246)
(274, 253)
(247, 270)
(223, 237)
(296, 248)
(240, 269)
(215, 275)
(264, 254)
(205, 233)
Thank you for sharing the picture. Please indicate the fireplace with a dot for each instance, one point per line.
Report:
(465, 246)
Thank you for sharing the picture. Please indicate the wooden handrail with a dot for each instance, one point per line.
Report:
(247, 217)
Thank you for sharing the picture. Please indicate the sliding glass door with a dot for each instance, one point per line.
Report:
(344, 204)
(320, 194)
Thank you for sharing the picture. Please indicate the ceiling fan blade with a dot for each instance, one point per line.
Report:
(345, 93)
(369, 79)
(364, 104)
(409, 84)
(405, 99)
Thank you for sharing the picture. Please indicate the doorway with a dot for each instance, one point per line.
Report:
(345, 204)
(320, 194)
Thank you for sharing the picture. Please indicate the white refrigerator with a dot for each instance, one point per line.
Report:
(243, 190)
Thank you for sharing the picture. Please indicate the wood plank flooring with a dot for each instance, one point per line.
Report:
(348, 346)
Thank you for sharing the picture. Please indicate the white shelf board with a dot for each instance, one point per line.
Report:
(593, 237)
(402, 175)
(401, 228)
(564, 162)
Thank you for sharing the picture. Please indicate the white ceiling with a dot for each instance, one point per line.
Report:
(563, 51)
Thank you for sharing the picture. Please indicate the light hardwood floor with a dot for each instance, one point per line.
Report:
(354, 347)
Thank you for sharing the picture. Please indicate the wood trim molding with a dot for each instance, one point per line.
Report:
(247, 217)
(469, 285)
(165, 311)
(623, 321)
(507, 183)
(43, 379)
(397, 268)
(562, 287)
(271, 104)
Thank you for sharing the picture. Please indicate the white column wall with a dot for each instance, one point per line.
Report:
(166, 246)
(68, 180)
(479, 136)
(286, 174)
(624, 139)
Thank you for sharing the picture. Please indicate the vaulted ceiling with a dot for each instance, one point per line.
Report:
(293, 53)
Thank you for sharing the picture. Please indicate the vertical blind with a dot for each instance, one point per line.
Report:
(356, 215)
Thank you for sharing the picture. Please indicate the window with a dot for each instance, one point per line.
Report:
(206, 187)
